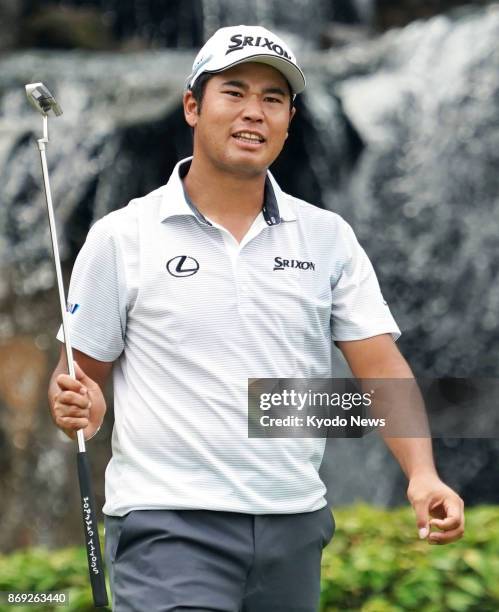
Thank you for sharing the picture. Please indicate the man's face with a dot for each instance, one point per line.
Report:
(244, 119)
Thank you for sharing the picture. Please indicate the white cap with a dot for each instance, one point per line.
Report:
(240, 44)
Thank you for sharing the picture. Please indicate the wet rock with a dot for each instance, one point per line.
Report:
(399, 13)
(66, 27)
(10, 13)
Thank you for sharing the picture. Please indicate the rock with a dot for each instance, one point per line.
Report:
(66, 27)
(399, 13)
(10, 13)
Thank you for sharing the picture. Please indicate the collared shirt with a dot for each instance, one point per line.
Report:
(189, 315)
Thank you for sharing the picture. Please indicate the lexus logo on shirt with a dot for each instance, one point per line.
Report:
(182, 265)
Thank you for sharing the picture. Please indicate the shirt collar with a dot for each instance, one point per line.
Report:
(175, 200)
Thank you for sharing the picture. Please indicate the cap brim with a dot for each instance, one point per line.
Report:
(290, 71)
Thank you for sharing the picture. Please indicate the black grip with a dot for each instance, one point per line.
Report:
(90, 528)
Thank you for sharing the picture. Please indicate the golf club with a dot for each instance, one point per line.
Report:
(44, 102)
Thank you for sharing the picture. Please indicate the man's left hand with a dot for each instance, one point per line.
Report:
(436, 505)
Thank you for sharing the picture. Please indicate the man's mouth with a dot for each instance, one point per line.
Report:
(250, 137)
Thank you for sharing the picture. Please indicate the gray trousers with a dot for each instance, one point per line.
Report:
(207, 561)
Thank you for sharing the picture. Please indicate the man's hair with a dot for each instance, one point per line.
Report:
(199, 87)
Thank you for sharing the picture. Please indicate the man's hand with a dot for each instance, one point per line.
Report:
(435, 504)
(430, 497)
(77, 404)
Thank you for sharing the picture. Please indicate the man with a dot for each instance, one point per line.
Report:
(184, 292)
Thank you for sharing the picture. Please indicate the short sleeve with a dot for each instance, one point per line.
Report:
(358, 308)
(97, 296)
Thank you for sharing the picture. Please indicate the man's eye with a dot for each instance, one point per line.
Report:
(273, 100)
(234, 93)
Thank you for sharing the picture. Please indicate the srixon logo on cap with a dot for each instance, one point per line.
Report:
(239, 41)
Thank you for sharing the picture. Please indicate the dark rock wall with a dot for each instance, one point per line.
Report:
(139, 24)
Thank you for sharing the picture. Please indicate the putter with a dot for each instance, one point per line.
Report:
(44, 102)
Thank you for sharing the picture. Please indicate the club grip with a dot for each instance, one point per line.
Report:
(90, 528)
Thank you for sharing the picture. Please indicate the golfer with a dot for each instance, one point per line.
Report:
(216, 277)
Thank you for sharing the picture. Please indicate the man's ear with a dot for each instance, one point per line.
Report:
(190, 109)
(291, 115)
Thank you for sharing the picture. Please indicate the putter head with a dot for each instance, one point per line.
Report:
(41, 99)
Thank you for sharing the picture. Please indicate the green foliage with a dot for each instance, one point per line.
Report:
(38, 570)
(375, 563)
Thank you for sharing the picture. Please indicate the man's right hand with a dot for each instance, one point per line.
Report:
(77, 404)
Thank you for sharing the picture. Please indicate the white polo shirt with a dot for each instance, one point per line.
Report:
(188, 315)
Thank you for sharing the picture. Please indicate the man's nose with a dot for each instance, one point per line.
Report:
(253, 110)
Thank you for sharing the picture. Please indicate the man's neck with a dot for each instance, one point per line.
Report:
(224, 197)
